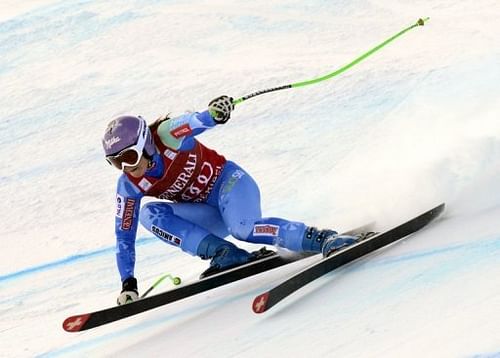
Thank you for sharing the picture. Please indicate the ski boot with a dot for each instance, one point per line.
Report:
(225, 255)
(335, 243)
(327, 241)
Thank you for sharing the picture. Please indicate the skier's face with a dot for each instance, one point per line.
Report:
(139, 170)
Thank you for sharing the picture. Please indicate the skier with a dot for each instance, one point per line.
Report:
(206, 197)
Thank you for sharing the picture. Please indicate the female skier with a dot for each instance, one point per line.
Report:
(205, 197)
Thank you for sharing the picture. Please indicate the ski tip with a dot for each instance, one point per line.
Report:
(260, 303)
(75, 323)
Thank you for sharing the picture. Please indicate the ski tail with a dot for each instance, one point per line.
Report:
(82, 322)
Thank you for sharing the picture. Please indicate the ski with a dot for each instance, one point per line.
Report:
(90, 320)
(266, 300)
(86, 321)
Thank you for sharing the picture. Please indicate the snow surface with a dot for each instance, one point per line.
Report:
(411, 126)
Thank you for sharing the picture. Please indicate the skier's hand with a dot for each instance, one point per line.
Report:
(220, 109)
(129, 292)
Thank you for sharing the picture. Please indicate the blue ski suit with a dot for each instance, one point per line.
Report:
(231, 205)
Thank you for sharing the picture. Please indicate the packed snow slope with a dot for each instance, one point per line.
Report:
(415, 124)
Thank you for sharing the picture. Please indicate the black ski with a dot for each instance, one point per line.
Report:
(90, 320)
(266, 300)
(86, 321)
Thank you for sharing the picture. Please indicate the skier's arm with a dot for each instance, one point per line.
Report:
(178, 133)
(128, 199)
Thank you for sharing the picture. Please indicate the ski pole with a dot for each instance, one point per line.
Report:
(175, 280)
(420, 22)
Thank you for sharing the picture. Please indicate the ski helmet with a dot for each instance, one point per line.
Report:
(127, 132)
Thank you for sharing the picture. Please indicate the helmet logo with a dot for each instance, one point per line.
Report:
(109, 142)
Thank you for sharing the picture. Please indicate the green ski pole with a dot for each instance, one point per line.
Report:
(175, 280)
(420, 22)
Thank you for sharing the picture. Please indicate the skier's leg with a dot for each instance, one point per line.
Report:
(296, 236)
(160, 219)
(238, 201)
(202, 215)
(239, 205)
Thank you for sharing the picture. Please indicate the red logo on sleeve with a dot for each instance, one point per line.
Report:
(128, 214)
(181, 131)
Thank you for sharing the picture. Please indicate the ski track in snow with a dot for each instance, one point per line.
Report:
(411, 126)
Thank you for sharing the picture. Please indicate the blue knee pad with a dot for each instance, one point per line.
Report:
(152, 213)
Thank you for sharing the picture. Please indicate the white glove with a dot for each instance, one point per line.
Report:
(129, 292)
(220, 109)
(127, 297)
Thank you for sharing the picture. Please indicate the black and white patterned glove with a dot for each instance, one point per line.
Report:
(220, 109)
(129, 292)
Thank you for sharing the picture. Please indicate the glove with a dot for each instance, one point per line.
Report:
(220, 109)
(129, 292)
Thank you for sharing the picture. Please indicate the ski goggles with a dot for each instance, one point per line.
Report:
(130, 156)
